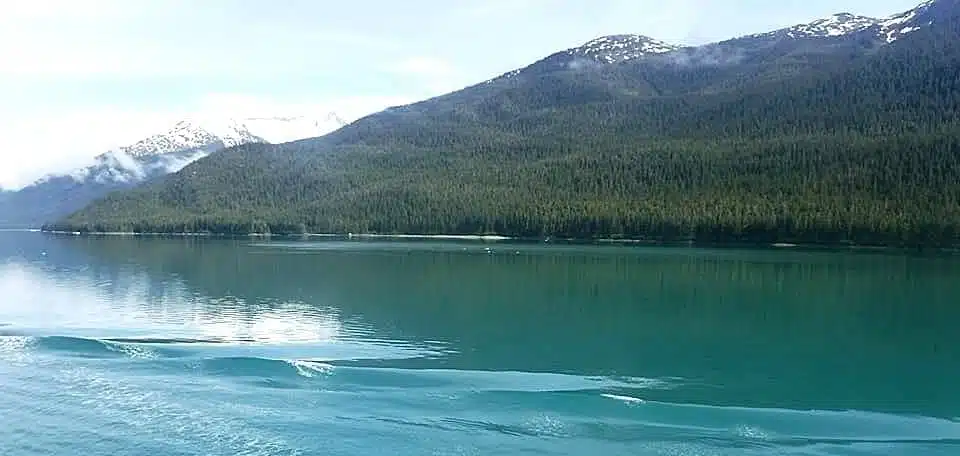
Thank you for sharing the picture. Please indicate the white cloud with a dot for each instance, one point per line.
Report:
(48, 142)
(60, 141)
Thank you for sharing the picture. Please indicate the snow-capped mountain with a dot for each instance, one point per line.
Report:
(60, 194)
(621, 48)
(611, 49)
(186, 135)
(202, 134)
(843, 24)
(191, 140)
(836, 25)
(617, 49)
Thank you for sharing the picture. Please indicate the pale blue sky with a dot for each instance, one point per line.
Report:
(77, 77)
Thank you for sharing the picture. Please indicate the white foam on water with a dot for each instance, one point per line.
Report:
(132, 351)
(16, 349)
(751, 432)
(546, 426)
(628, 399)
(311, 369)
(158, 415)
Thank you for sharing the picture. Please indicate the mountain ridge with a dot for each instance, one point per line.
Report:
(838, 24)
(185, 135)
(846, 138)
(889, 28)
(628, 47)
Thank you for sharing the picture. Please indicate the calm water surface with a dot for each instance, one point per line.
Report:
(214, 347)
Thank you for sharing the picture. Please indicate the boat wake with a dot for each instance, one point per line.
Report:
(198, 394)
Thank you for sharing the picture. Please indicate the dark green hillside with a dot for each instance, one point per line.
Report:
(822, 140)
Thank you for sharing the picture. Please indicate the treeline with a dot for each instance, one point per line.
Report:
(898, 189)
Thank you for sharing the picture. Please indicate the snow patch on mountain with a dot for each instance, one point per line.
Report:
(839, 24)
(842, 24)
(185, 135)
(609, 49)
(621, 48)
(203, 133)
(898, 25)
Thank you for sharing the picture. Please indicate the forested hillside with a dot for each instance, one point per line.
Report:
(767, 139)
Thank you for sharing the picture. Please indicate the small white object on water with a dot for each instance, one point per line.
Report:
(627, 399)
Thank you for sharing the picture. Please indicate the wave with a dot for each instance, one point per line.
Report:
(311, 369)
(84, 347)
(346, 377)
(264, 368)
(166, 340)
(340, 371)
(346, 349)
(332, 375)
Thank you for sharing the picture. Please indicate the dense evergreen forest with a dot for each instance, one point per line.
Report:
(823, 140)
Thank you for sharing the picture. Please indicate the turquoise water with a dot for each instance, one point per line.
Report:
(122, 346)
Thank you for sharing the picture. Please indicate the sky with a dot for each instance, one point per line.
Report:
(79, 77)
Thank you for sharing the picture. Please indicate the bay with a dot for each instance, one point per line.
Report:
(196, 346)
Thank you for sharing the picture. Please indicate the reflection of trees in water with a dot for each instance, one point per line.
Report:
(730, 317)
(506, 281)
(417, 290)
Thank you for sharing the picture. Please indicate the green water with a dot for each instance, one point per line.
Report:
(376, 347)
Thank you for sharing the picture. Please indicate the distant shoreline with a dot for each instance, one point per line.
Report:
(472, 237)
(780, 245)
